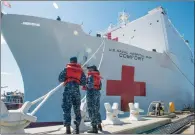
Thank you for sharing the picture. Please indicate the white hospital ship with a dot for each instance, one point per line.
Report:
(141, 61)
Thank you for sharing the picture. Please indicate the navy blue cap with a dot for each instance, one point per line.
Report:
(73, 59)
(92, 67)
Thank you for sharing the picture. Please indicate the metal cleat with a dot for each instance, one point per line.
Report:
(134, 112)
(14, 121)
(112, 114)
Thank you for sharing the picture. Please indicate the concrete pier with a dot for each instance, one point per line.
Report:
(128, 127)
(189, 130)
(135, 127)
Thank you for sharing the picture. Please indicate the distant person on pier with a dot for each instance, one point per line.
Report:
(58, 18)
(159, 109)
(93, 88)
(72, 76)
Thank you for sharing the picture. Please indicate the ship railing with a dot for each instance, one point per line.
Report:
(182, 37)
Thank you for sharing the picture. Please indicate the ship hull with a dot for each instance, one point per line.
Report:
(42, 50)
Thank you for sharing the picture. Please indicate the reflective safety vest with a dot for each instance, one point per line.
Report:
(96, 78)
(73, 73)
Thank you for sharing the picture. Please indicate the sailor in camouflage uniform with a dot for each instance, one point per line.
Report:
(93, 98)
(72, 76)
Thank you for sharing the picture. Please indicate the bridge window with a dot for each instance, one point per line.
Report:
(150, 23)
(157, 20)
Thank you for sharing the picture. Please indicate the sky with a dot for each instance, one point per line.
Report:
(96, 16)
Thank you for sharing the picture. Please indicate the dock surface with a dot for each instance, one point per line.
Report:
(189, 130)
(145, 125)
(127, 127)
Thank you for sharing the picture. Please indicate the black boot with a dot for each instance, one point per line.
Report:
(93, 130)
(76, 130)
(100, 127)
(68, 130)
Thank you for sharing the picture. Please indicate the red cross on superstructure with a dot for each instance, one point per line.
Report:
(126, 87)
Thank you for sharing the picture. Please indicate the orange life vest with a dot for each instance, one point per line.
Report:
(73, 73)
(96, 78)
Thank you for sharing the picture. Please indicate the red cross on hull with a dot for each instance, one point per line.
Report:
(126, 88)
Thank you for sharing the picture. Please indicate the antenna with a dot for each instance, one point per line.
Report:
(123, 18)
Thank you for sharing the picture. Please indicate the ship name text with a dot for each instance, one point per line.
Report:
(129, 55)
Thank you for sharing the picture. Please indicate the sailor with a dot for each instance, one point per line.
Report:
(72, 76)
(93, 88)
(158, 109)
(162, 110)
(58, 18)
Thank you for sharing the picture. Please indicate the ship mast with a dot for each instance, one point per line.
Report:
(123, 18)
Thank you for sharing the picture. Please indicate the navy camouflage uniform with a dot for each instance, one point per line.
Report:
(71, 96)
(93, 102)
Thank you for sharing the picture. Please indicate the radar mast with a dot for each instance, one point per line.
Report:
(123, 18)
